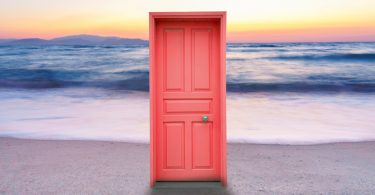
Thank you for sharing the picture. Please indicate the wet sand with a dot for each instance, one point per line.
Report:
(101, 167)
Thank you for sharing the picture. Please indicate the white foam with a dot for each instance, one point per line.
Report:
(300, 119)
(252, 118)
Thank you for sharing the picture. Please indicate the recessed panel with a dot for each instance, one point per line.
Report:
(202, 136)
(187, 106)
(174, 145)
(201, 54)
(174, 58)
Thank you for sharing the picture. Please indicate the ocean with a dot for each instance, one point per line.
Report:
(283, 93)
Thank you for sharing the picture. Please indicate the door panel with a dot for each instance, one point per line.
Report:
(187, 74)
(202, 145)
(174, 61)
(187, 106)
(174, 145)
(201, 54)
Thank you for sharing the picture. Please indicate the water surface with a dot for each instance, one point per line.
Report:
(294, 93)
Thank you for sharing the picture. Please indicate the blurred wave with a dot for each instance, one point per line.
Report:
(252, 67)
(301, 87)
(344, 56)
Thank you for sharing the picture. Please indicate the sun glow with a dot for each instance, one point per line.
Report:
(254, 20)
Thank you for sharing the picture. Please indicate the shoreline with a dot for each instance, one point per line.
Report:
(110, 167)
(229, 142)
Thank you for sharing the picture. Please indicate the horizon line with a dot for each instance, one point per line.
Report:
(228, 42)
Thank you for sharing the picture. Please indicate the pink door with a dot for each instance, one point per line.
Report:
(189, 133)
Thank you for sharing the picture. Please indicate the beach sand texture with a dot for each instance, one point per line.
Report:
(99, 167)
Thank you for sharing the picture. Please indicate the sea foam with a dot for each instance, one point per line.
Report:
(285, 118)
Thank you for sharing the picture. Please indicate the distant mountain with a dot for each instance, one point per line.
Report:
(90, 40)
(31, 41)
(5, 40)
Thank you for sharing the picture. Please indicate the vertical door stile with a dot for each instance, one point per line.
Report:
(188, 90)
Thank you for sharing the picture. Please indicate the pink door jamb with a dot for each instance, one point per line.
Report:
(186, 16)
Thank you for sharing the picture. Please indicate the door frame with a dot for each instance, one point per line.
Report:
(159, 16)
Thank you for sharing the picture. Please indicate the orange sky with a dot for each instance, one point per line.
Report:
(248, 20)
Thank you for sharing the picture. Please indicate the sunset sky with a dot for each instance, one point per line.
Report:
(248, 20)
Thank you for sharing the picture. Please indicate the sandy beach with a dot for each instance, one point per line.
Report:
(99, 167)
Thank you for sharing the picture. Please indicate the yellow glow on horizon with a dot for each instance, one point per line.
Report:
(248, 20)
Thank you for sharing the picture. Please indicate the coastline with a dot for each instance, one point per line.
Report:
(97, 167)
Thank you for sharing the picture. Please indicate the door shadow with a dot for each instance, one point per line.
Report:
(182, 188)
